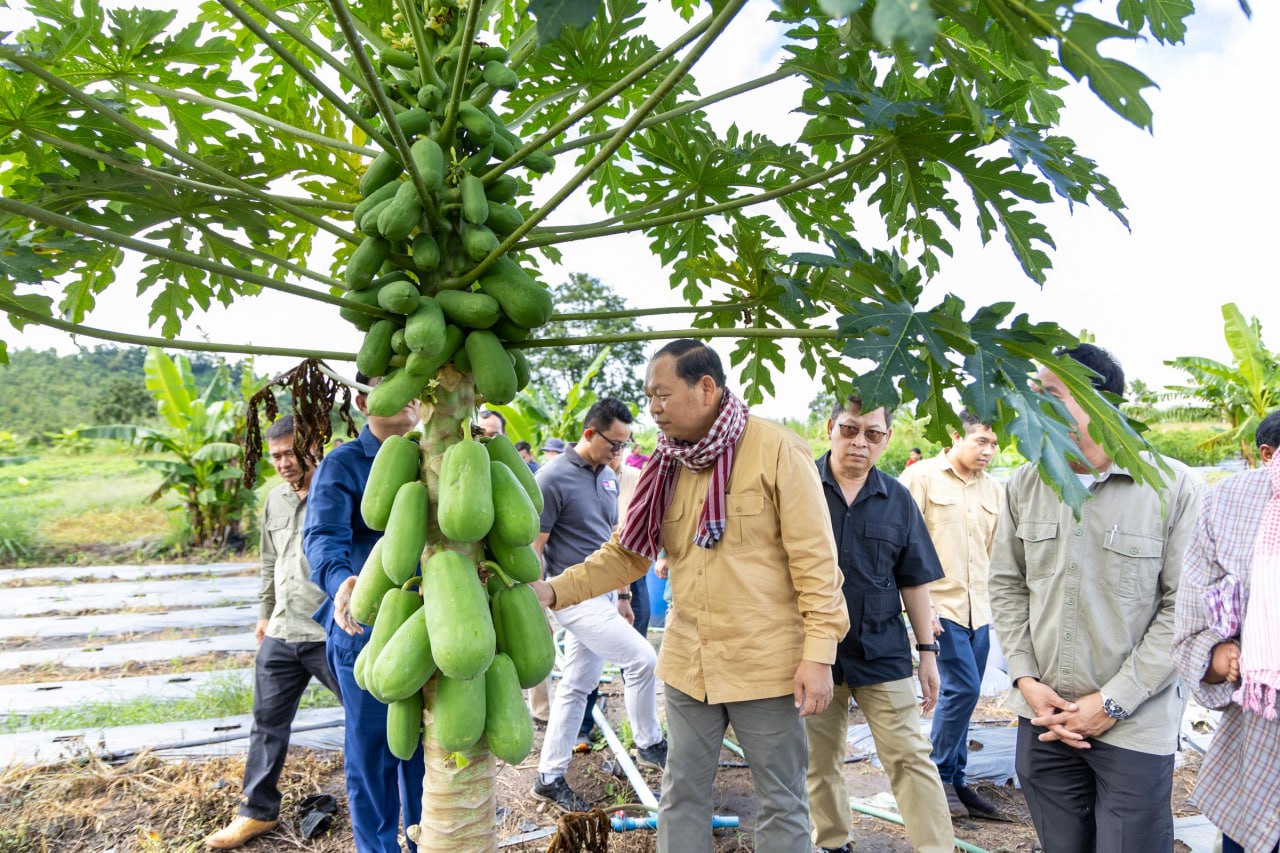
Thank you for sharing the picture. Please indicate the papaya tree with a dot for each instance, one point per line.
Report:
(404, 161)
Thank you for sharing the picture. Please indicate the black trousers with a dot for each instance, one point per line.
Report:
(1105, 799)
(281, 673)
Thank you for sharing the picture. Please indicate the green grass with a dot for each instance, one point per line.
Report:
(58, 502)
(223, 697)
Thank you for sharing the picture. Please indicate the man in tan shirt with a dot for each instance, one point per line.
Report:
(737, 503)
(961, 506)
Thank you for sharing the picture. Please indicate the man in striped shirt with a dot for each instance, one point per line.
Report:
(1238, 788)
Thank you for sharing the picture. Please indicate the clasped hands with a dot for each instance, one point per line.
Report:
(1073, 723)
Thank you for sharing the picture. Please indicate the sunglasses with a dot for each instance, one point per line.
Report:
(850, 432)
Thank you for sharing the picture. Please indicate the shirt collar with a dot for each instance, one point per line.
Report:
(574, 459)
(368, 442)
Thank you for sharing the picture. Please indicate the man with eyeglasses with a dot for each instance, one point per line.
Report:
(580, 509)
(888, 561)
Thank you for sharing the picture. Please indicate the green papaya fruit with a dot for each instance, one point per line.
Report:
(395, 464)
(494, 374)
(406, 534)
(371, 584)
(398, 389)
(508, 728)
(515, 521)
(500, 449)
(465, 510)
(404, 727)
(457, 615)
(457, 712)
(375, 351)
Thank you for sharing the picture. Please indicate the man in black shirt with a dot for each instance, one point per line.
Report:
(888, 560)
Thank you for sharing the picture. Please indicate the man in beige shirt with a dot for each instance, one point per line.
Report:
(290, 643)
(737, 504)
(1084, 608)
(961, 505)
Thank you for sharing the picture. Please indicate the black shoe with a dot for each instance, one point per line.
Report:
(561, 794)
(843, 848)
(978, 805)
(954, 806)
(654, 757)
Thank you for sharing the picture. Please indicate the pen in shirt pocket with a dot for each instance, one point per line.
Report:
(1115, 528)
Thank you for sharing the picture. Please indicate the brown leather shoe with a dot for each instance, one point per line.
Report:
(954, 805)
(239, 832)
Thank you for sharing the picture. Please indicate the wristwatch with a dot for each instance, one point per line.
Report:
(624, 596)
(1112, 709)
(928, 647)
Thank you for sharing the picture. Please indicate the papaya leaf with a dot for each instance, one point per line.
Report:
(554, 15)
(911, 21)
(1165, 19)
(1118, 85)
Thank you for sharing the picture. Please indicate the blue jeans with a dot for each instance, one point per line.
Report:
(379, 786)
(961, 663)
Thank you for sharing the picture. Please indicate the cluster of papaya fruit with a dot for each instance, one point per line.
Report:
(418, 248)
(483, 642)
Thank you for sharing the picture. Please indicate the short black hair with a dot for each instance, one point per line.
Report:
(524, 445)
(604, 412)
(487, 413)
(969, 420)
(1110, 376)
(694, 360)
(1269, 431)
(361, 379)
(917, 450)
(843, 403)
(282, 428)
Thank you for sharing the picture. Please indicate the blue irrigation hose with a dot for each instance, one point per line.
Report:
(626, 824)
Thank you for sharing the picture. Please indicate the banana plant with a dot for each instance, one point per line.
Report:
(1241, 393)
(200, 462)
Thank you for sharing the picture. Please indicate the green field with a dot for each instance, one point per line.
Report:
(80, 509)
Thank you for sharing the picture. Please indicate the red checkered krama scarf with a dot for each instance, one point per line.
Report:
(642, 533)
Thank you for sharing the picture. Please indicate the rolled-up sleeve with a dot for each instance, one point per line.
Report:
(1007, 587)
(1150, 666)
(1193, 639)
(327, 532)
(810, 546)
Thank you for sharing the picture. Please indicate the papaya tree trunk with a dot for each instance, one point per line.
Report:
(459, 799)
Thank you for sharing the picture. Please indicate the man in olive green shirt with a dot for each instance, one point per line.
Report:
(1084, 609)
(738, 505)
(290, 643)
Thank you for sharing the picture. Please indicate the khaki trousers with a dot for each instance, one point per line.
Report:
(893, 714)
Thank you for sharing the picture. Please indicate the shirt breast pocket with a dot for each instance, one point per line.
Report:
(884, 543)
(278, 530)
(1132, 563)
(940, 510)
(673, 542)
(744, 527)
(1039, 547)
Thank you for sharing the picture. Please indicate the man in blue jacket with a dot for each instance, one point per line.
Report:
(337, 541)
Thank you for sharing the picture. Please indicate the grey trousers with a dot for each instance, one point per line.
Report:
(1101, 800)
(281, 673)
(772, 737)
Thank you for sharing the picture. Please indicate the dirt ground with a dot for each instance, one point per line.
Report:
(151, 805)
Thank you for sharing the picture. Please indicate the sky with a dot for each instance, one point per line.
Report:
(1200, 192)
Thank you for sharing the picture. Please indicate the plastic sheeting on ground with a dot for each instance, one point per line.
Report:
(993, 762)
(124, 573)
(319, 728)
(56, 695)
(95, 655)
(69, 598)
(99, 625)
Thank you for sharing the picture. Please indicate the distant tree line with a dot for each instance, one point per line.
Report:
(41, 391)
